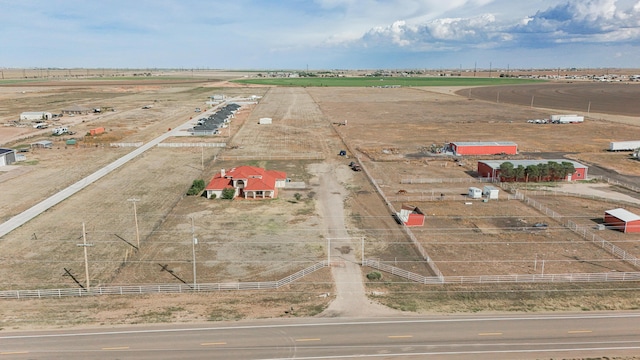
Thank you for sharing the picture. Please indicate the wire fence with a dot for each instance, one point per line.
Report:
(200, 144)
(134, 144)
(582, 231)
(301, 156)
(513, 278)
(161, 288)
(445, 180)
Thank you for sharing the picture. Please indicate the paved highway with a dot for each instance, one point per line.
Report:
(441, 337)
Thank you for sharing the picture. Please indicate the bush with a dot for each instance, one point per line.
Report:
(297, 196)
(196, 187)
(374, 275)
(228, 193)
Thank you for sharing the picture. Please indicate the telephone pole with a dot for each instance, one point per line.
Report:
(135, 218)
(194, 241)
(86, 257)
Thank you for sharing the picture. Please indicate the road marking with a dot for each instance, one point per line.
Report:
(214, 343)
(303, 340)
(579, 331)
(399, 336)
(13, 352)
(490, 334)
(116, 348)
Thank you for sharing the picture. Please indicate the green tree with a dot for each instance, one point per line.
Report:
(506, 170)
(532, 172)
(543, 171)
(519, 172)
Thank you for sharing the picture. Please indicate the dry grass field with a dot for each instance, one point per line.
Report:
(389, 130)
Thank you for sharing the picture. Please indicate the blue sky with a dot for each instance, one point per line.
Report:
(320, 34)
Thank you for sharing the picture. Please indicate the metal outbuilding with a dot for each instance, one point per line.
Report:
(7, 156)
(483, 147)
(623, 220)
(35, 116)
(46, 144)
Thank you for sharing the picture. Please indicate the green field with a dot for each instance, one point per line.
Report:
(386, 81)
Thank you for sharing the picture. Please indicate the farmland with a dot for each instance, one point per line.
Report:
(389, 130)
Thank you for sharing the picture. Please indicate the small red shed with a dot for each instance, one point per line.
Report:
(623, 220)
(483, 148)
(411, 216)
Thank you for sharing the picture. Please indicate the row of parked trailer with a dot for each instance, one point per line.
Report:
(559, 119)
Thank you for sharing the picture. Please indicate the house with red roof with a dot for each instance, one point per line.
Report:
(249, 182)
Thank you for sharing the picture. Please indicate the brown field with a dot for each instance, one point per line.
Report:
(388, 129)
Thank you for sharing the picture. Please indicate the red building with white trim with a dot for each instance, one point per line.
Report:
(483, 148)
(623, 220)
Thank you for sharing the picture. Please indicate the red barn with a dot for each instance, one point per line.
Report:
(491, 168)
(411, 216)
(623, 220)
(484, 148)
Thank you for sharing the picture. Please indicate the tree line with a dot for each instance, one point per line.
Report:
(551, 171)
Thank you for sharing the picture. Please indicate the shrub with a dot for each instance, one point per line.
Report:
(228, 193)
(374, 275)
(196, 187)
(297, 196)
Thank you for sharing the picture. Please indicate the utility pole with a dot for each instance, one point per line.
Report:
(135, 219)
(86, 258)
(194, 241)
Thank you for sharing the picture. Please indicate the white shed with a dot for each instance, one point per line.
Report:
(264, 121)
(491, 192)
(35, 116)
(474, 193)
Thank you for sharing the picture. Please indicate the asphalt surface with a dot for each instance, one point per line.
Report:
(443, 337)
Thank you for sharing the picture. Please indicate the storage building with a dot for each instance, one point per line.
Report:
(46, 144)
(491, 168)
(411, 216)
(491, 192)
(76, 110)
(474, 193)
(483, 148)
(35, 116)
(265, 121)
(7, 156)
(623, 220)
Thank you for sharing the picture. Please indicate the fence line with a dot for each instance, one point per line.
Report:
(303, 156)
(582, 230)
(554, 192)
(616, 182)
(135, 144)
(514, 278)
(161, 288)
(423, 253)
(445, 180)
(201, 144)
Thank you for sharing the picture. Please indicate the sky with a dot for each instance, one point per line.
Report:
(320, 34)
